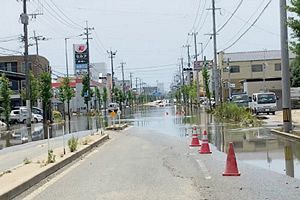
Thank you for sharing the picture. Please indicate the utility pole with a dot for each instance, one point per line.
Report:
(131, 80)
(197, 71)
(87, 33)
(136, 84)
(36, 39)
(111, 56)
(201, 50)
(182, 71)
(286, 93)
(25, 21)
(66, 54)
(215, 68)
(229, 79)
(189, 60)
(123, 81)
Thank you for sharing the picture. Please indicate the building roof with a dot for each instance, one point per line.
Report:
(255, 55)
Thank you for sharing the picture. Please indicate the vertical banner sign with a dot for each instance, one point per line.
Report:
(81, 59)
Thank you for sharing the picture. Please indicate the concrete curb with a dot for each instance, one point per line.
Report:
(41, 176)
(285, 134)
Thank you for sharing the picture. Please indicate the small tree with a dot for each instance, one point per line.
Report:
(5, 93)
(104, 98)
(205, 75)
(98, 96)
(86, 91)
(130, 98)
(294, 24)
(62, 98)
(34, 90)
(46, 94)
(68, 92)
(119, 97)
(295, 73)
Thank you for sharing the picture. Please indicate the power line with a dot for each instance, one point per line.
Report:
(155, 66)
(99, 41)
(58, 17)
(200, 25)
(256, 26)
(66, 15)
(245, 24)
(10, 50)
(197, 15)
(249, 26)
(232, 14)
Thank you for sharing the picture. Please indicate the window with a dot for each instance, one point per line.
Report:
(235, 69)
(257, 68)
(3, 66)
(278, 67)
(14, 85)
(14, 66)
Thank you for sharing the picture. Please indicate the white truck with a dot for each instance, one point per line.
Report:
(264, 102)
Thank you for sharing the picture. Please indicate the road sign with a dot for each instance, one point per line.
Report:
(113, 114)
(119, 112)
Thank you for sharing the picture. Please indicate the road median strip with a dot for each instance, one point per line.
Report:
(18, 180)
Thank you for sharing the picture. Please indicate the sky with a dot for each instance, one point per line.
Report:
(148, 35)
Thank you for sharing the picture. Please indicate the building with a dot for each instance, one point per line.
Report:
(161, 88)
(98, 71)
(77, 102)
(251, 71)
(14, 69)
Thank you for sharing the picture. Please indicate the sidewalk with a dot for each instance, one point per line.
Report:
(14, 156)
(25, 165)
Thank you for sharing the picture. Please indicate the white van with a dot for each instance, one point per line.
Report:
(264, 102)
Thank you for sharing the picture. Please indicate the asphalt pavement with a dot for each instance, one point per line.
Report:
(142, 163)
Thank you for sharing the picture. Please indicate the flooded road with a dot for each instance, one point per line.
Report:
(255, 146)
(19, 134)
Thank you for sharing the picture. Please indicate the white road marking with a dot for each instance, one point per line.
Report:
(203, 169)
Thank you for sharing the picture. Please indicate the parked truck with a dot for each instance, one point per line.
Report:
(241, 99)
(264, 102)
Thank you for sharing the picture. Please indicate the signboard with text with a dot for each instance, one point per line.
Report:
(80, 59)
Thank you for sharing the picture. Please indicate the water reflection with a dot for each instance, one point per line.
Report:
(256, 146)
(20, 134)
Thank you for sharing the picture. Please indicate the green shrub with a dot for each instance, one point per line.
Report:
(73, 143)
(57, 116)
(234, 113)
(51, 157)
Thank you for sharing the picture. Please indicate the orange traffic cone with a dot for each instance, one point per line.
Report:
(204, 149)
(231, 165)
(195, 140)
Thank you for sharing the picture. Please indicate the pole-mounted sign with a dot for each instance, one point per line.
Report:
(81, 59)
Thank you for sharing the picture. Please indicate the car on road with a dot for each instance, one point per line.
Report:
(20, 116)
